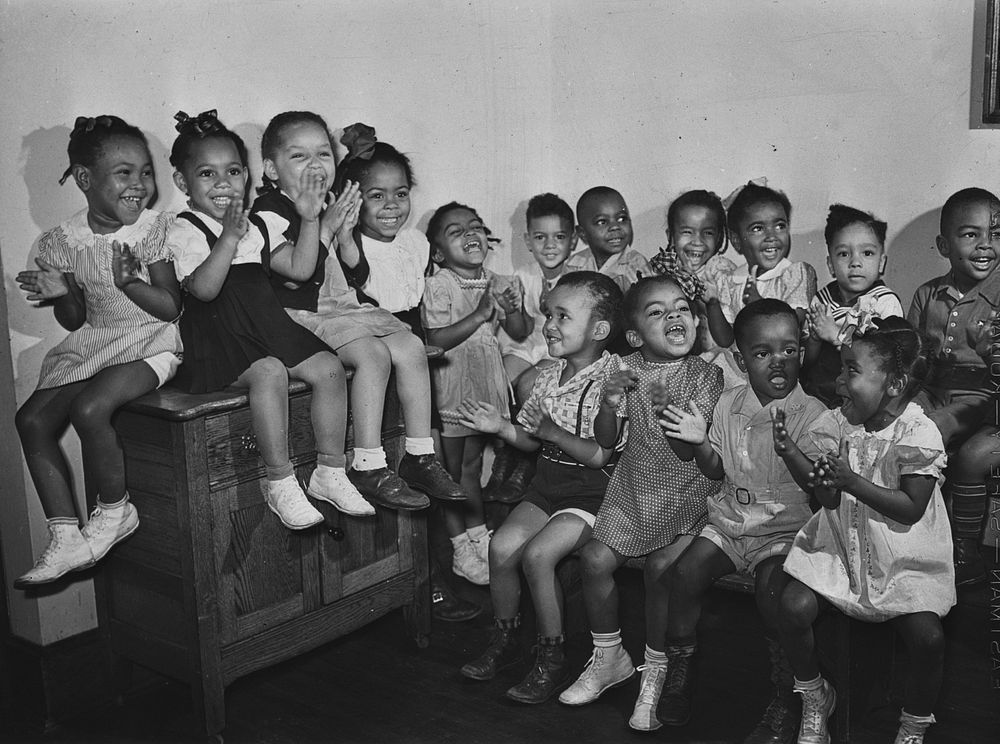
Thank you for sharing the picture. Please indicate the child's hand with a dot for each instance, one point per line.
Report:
(48, 283)
(783, 443)
(834, 471)
(487, 307)
(750, 293)
(710, 292)
(538, 423)
(985, 340)
(124, 265)
(531, 414)
(511, 298)
(341, 217)
(616, 385)
(479, 416)
(822, 325)
(687, 426)
(312, 195)
(236, 220)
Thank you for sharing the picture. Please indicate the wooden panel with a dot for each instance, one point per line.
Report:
(370, 574)
(155, 543)
(150, 602)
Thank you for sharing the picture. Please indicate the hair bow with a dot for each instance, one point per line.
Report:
(857, 323)
(728, 201)
(201, 124)
(359, 139)
(666, 263)
(87, 123)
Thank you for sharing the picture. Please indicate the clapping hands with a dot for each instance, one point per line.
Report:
(47, 283)
(687, 426)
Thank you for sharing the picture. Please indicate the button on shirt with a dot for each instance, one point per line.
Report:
(625, 267)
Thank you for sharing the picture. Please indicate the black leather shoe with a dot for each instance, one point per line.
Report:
(384, 488)
(675, 702)
(545, 678)
(449, 607)
(504, 650)
(427, 474)
(512, 491)
(780, 723)
(503, 463)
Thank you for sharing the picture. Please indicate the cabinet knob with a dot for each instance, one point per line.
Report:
(248, 442)
(335, 532)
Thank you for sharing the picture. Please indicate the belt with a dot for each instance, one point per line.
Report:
(785, 495)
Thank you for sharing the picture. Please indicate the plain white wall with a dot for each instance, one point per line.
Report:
(865, 103)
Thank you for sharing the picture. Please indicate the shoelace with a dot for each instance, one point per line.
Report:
(677, 673)
(594, 663)
(812, 716)
(773, 714)
(912, 739)
(652, 683)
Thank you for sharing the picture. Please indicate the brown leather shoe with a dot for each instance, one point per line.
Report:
(512, 491)
(504, 650)
(384, 488)
(427, 474)
(449, 607)
(546, 676)
(675, 701)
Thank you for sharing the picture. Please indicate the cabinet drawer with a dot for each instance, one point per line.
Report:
(231, 447)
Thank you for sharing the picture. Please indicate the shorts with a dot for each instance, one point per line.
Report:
(748, 551)
(587, 516)
(559, 487)
(164, 366)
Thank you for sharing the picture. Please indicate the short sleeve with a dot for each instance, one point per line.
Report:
(800, 285)
(153, 246)
(53, 248)
(435, 311)
(919, 449)
(823, 435)
(707, 390)
(274, 227)
(538, 390)
(715, 430)
(887, 306)
(730, 296)
(188, 248)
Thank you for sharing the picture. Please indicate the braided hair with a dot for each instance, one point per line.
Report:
(90, 133)
(902, 350)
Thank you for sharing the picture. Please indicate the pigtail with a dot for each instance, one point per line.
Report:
(906, 350)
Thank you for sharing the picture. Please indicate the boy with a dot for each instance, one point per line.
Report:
(955, 310)
(760, 445)
(855, 244)
(550, 238)
(605, 226)
(557, 513)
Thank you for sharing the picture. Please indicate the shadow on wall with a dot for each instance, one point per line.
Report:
(913, 256)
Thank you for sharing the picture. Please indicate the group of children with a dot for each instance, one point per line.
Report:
(657, 403)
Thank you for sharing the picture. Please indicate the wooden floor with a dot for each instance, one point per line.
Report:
(376, 686)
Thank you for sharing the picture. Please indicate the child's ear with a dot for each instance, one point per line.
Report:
(270, 170)
(527, 240)
(734, 241)
(581, 235)
(897, 385)
(437, 257)
(602, 329)
(740, 362)
(81, 175)
(881, 264)
(180, 182)
(633, 338)
(829, 265)
(573, 238)
(942, 246)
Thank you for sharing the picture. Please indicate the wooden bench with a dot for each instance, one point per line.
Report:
(212, 586)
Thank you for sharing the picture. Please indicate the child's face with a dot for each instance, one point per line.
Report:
(863, 384)
(970, 242)
(696, 236)
(212, 176)
(385, 201)
(461, 242)
(763, 237)
(605, 225)
(119, 185)
(664, 324)
(304, 149)
(769, 353)
(570, 326)
(856, 259)
(550, 241)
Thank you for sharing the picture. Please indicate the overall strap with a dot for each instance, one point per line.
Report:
(197, 222)
(265, 252)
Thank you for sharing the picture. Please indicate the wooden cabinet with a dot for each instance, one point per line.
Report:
(212, 586)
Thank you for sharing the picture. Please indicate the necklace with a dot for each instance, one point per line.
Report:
(480, 283)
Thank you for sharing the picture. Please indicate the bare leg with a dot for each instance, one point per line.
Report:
(656, 574)
(463, 458)
(924, 640)
(506, 550)
(267, 383)
(799, 609)
(325, 373)
(372, 364)
(598, 564)
(413, 382)
(560, 536)
(769, 585)
(701, 564)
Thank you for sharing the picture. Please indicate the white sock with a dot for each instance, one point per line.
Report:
(477, 533)
(607, 640)
(459, 540)
(655, 657)
(331, 470)
(419, 446)
(369, 459)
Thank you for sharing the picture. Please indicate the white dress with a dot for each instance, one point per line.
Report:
(866, 564)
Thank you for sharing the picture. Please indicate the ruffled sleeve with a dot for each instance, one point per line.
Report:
(436, 310)
(800, 285)
(153, 247)
(53, 248)
(188, 247)
(918, 447)
(824, 434)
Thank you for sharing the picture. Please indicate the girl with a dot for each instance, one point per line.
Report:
(880, 549)
(464, 304)
(236, 333)
(298, 150)
(107, 273)
(655, 503)
(696, 240)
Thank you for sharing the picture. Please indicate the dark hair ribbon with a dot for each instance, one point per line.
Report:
(201, 124)
(359, 139)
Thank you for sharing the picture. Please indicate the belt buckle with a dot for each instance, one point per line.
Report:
(743, 496)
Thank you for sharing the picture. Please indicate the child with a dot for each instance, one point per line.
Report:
(107, 274)
(556, 515)
(464, 305)
(855, 243)
(696, 240)
(297, 150)
(762, 504)
(880, 549)
(235, 331)
(550, 238)
(655, 503)
(604, 224)
(955, 311)
(759, 230)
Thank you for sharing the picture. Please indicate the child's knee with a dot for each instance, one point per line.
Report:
(797, 606)
(502, 549)
(538, 559)
(657, 567)
(88, 413)
(408, 351)
(373, 357)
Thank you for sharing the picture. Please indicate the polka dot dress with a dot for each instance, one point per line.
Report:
(653, 495)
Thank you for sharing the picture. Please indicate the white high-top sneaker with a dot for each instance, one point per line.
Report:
(67, 551)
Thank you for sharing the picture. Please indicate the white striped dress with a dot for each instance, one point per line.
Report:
(117, 331)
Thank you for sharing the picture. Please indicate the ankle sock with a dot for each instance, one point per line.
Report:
(968, 506)
(912, 724)
(64, 520)
(809, 685)
(508, 623)
(279, 472)
(331, 461)
(371, 458)
(321, 468)
(551, 640)
(419, 446)
(116, 505)
(477, 533)
(607, 640)
(655, 657)
(459, 540)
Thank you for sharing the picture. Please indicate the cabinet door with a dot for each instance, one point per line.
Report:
(370, 550)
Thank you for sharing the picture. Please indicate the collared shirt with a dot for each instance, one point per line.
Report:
(878, 301)
(625, 267)
(573, 405)
(955, 321)
(793, 282)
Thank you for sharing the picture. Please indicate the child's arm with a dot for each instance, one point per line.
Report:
(206, 281)
(348, 250)
(826, 495)
(905, 504)
(691, 427)
(587, 451)
(49, 284)
(451, 336)
(484, 417)
(718, 326)
(517, 322)
(800, 466)
(161, 297)
(822, 327)
(607, 424)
